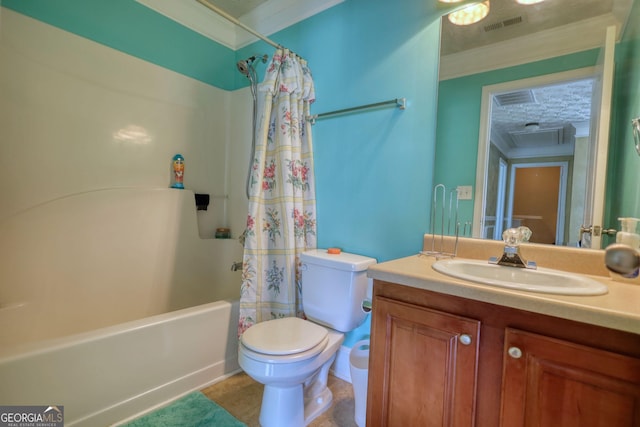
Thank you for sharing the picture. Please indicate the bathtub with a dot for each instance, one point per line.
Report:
(110, 374)
(111, 304)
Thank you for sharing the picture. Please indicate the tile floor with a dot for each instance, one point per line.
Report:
(241, 396)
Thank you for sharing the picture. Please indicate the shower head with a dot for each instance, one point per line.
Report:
(244, 65)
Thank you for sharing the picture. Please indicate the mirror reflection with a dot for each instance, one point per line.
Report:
(538, 69)
(540, 145)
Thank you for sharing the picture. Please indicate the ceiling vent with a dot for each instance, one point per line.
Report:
(512, 21)
(502, 24)
(514, 98)
(492, 27)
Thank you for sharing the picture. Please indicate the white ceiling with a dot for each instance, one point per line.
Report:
(237, 8)
(562, 112)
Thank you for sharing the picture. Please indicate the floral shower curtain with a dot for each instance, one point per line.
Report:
(281, 222)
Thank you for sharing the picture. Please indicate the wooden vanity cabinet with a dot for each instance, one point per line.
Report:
(550, 382)
(427, 369)
(441, 360)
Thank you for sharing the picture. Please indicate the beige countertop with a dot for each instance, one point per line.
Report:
(618, 309)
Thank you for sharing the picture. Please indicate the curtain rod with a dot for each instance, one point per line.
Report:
(401, 103)
(238, 23)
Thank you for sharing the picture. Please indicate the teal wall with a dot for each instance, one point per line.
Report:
(458, 127)
(623, 183)
(373, 169)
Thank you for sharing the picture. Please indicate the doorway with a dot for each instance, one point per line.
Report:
(537, 199)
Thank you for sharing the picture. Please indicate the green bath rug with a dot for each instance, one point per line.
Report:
(193, 410)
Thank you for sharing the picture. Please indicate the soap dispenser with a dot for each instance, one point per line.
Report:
(628, 234)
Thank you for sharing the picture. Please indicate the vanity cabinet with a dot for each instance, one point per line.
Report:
(550, 382)
(427, 369)
(441, 360)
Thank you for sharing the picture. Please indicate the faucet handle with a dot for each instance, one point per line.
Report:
(515, 236)
(526, 233)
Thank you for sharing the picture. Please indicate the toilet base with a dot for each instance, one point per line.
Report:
(284, 407)
(297, 405)
(314, 409)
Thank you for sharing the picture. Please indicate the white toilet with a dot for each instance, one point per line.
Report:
(292, 356)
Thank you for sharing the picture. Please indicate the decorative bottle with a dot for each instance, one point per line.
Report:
(177, 167)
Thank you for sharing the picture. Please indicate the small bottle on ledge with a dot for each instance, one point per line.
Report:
(177, 167)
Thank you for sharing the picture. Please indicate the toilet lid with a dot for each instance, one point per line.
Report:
(284, 336)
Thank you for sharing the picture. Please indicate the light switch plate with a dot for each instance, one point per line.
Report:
(464, 192)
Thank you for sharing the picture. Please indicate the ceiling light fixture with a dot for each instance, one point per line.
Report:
(470, 14)
(528, 2)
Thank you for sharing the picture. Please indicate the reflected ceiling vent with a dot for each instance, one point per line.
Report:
(502, 24)
(513, 98)
(512, 21)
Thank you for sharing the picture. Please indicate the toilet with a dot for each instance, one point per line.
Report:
(292, 356)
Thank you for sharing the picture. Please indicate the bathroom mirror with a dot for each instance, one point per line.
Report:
(510, 36)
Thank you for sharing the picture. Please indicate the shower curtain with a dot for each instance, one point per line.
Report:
(281, 222)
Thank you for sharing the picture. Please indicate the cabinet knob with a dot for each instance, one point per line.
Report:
(515, 352)
(465, 339)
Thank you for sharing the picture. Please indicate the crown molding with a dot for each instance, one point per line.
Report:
(268, 18)
(198, 18)
(559, 41)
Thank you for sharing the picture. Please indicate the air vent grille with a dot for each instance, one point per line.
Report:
(513, 98)
(512, 21)
(501, 24)
(492, 27)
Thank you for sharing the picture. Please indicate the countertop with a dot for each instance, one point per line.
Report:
(618, 309)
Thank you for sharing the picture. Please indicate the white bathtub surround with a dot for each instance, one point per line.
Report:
(107, 375)
(106, 257)
(96, 250)
(79, 116)
(116, 304)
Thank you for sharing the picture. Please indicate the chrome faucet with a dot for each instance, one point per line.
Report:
(236, 266)
(511, 256)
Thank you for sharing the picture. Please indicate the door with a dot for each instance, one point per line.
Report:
(551, 382)
(601, 107)
(537, 200)
(423, 366)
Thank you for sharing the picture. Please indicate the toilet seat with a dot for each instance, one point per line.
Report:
(285, 339)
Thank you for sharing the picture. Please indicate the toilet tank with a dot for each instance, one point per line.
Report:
(333, 288)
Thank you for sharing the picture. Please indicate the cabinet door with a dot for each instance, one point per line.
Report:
(550, 382)
(423, 367)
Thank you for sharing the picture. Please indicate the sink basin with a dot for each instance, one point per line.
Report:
(523, 279)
